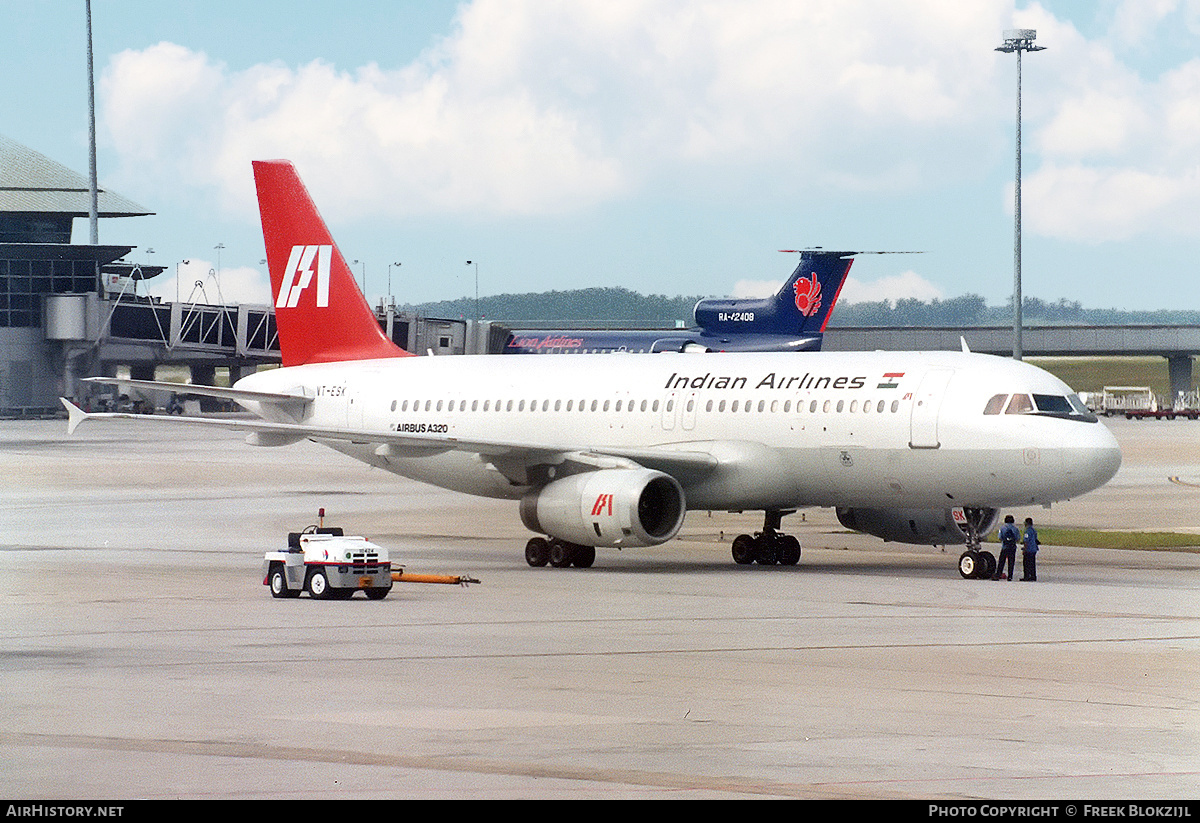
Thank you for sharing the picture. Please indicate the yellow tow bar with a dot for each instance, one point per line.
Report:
(452, 579)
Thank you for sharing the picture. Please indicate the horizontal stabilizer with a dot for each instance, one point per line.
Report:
(218, 392)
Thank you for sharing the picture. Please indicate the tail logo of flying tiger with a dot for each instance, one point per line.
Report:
(808, 295)
(303, 263)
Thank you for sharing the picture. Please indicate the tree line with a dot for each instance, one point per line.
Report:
(619, 307)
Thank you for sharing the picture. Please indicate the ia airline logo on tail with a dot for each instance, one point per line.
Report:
(303, 263)
(808, 295)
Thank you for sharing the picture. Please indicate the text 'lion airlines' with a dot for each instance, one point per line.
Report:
(612, 451)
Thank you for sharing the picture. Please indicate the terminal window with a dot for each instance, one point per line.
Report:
(23, 284)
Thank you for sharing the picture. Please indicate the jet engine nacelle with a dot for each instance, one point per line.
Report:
(933, 527)
(607, 507)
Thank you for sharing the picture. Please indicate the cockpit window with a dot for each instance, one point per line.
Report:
(1052, 404)
(1069, 407)
(996, 404)
(1081, 409)
(1020, 404)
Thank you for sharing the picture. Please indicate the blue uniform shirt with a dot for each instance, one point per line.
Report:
(1030, 540)
(1009, 536)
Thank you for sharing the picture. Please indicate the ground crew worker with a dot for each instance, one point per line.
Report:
(1008, 548)
(1029, 542)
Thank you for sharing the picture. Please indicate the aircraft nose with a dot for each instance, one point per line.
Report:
(1100, 459)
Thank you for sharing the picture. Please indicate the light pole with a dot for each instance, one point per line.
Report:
(1018, 40)
(391, 302)
(93, 190)
(476, 265)
(177, 265)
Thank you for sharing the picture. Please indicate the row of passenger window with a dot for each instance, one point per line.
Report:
(719, 406)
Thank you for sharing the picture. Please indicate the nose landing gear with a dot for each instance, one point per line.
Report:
(976, 563)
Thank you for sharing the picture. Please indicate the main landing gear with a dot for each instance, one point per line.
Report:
(976, 563)
(768, 546)
(558, 553)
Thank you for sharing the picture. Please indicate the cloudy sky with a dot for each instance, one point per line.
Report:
(668, 146)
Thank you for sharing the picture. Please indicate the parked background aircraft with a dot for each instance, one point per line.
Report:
(794, 319)
(605, 451)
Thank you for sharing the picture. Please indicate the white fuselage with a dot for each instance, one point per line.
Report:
(884, 429)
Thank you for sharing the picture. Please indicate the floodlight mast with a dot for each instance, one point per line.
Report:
(93, 190)
(1018, 40)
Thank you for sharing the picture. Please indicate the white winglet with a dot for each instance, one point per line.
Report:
(75, 415)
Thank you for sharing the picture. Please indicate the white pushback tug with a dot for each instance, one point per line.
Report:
(331, 565)
(328, 564)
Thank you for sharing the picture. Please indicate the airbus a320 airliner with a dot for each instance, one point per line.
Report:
(604, 451)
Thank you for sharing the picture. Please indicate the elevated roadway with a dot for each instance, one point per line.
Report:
(1178, 344)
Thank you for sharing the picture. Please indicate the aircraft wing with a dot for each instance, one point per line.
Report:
(522, 463)
(297, 398)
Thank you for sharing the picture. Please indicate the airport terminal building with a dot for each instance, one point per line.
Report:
(47, 284)
(69, 310)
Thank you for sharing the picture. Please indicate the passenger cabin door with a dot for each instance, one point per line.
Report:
(668, 411)
(923, 424)
(688, 416)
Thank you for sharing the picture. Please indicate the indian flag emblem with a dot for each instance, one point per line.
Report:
(890, 380)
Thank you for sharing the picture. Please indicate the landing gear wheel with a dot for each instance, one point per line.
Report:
(318, 585)
(789, 550)
(585, 556)
(970, 565)
(989, 564)
(537, 552)
(743, 550)
(561, 554)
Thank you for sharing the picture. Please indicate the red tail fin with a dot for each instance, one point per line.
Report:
(320, 312)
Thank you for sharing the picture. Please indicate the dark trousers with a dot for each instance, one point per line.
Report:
(1028, 565)
(1006, 556)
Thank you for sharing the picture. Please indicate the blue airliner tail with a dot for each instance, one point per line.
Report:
(801, 307)
(793, 320)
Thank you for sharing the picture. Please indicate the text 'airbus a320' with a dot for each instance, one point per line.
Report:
(604, 451)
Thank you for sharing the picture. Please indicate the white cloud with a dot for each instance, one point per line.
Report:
(1111, 154)
(198, 282)
(909, 284)
(530, 106)
(1119, 161)
(1135, 20)
(902, 286)
(755, 288)
(535, 107)
(1097, 205)
(368, 141)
